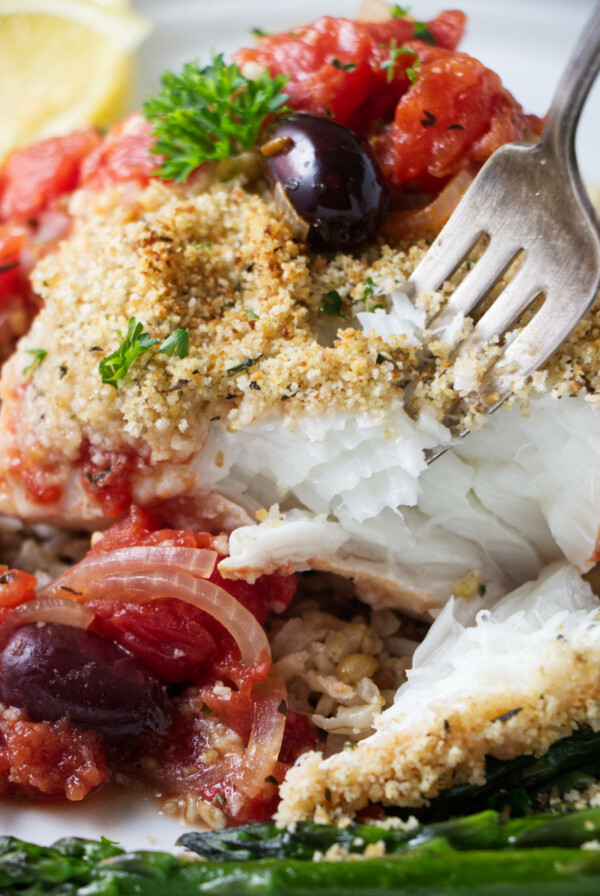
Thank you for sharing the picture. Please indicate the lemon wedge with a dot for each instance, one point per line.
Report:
(63, 64)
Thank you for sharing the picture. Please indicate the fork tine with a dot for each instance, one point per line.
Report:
(515, 298)
(488, 271)
(445, 254)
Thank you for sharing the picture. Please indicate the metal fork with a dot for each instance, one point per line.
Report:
(530, 201)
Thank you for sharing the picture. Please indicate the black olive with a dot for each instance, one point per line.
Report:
(53, 671)
(331, 179)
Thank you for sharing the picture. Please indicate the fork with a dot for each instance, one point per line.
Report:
(530, 202)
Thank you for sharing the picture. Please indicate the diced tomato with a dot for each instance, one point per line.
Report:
(455, 113)
(49, 759)
(124, 155)
(180, 642)
(31, 178)
(16, 587)
(335, 65)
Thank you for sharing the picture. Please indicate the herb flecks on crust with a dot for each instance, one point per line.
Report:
(250, 300)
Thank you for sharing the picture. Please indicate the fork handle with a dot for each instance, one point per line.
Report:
(571, 93)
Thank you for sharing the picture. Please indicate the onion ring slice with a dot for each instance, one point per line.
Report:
(150, 581)
(51, 609)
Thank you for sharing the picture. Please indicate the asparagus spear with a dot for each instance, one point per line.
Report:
(485, 830)
(514, 782)
(469, 856)
(432, 870)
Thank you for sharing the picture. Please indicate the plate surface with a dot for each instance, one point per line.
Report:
(527, 43)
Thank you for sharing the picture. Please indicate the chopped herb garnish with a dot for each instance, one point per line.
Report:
(116, 365)
(332, 304)
(259, 32)
(219, 800)
(508, 715)
(177, 343)
(282, 708)
(429, 119)
(344, 66)
(271, 779)
(217, 417)
(210, 113)
(413, 72)
(206, 709)
(38, 356)
(390, 63)
(422, 32)
(239, 368)
(250, 314)
(399, 12)
(455, 127)
(328, 113)
(254, 385)
(369, 290)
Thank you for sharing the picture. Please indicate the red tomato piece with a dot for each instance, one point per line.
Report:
(108, 479)
(178, 641)
(455, 113)
(31, 178)
(16, 587)
(338, 66)
(123, 155)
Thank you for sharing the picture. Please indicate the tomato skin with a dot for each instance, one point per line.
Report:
(123, 155)
(31, 178)
(455, 113)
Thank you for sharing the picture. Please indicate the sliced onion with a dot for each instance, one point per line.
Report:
(266, 736)
(51, 609)
(415, 223)
(151, 581)
(198, 561)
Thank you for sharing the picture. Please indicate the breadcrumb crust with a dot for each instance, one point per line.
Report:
(409, 766)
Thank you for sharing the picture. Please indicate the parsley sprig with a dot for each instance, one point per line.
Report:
(211, 113)
(116, 365)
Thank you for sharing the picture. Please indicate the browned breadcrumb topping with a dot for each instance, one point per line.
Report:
(265, 335)
(408, 766)
(222, 264)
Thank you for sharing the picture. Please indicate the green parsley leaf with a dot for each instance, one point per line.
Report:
(115, 366)
(250, 314)
(413, 71)
(177, 343)
(219, 800)
(210, 113)
(38, 356)
(400, 12)
(259, 32)
(368, 292)
(422, 32)
(332, 304)
(343, 66)
(390, 63)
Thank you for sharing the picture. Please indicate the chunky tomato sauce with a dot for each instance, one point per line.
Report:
(189, 651)
(427, 110)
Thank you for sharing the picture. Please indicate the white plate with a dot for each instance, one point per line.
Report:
(527, 43)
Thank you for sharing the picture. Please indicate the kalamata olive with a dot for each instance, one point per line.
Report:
(53, 671)
(331, 179)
